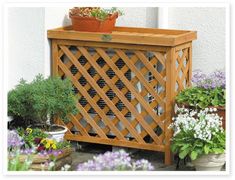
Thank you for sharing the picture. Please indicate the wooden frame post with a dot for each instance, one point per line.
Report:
(190, 64)
(170, 91)
(54, 63)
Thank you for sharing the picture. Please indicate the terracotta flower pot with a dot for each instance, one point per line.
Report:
(92, 24)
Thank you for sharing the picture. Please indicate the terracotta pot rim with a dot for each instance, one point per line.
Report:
(110, 17)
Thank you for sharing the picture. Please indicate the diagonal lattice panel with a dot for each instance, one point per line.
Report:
(122, 93)
(77, 75)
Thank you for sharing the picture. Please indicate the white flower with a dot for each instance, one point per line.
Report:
(66, 167)
(51, 164)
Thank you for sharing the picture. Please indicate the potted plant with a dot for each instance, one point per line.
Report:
(39, 103)
(200, 136)
(94, 19)
(208, 91)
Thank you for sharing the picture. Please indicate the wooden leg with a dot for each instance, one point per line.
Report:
(168, 156)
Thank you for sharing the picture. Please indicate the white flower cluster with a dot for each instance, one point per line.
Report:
(203, 124)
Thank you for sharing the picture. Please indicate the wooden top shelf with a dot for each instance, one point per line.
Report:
(127, 35)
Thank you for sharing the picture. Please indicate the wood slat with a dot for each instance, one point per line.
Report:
(157, 37)
(77, 124)
(115, 142)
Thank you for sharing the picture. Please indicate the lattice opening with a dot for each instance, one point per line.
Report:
(158, 130)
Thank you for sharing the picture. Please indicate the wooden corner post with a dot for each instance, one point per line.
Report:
(190, 64)
(54, 63)
(170, 92)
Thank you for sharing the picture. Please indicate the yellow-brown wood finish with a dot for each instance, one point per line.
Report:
(159, 63)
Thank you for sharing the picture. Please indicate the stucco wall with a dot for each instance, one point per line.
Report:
(25, 44)
(138, 17)
(209, 48)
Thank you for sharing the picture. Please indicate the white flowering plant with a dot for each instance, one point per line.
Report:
(197, 133)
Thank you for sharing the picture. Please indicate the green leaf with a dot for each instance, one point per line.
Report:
(174, 148)
(185, 146)
(198, 144)
(218, 150)
(193, 155)
(183, 154)
(206, 149)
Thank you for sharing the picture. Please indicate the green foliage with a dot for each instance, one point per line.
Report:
(102, 14)
(185, 144)
(34, 102)
(14, 163)
(200, 97)
(30, 135)
(63, 144)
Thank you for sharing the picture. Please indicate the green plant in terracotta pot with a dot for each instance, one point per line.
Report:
(200, 136)
(207, 91)
(94, 19)
(39, 103)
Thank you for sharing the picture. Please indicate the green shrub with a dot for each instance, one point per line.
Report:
(42, 99)
(200, 97)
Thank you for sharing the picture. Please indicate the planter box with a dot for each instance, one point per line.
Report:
(58, 164)
(126, 82)
(40, 161)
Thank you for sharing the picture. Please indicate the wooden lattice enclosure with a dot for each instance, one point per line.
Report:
(126, 82)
